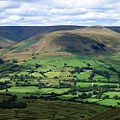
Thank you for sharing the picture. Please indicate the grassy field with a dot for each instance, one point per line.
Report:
(91, 100)
(83, 75)
(57, 74)
(87, 84)
(109, 102)
(112, 94)
(33, 89)
(4, 79)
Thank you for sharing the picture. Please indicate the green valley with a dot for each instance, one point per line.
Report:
(59, 75)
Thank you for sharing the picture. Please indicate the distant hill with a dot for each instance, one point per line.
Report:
(115, 28)
(19, 33)
(5, 42)
(90, 40)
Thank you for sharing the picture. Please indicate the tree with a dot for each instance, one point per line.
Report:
(37, 66)
(91, 76)
(95, 47)
(107, 75)
(6, 90)
(14, 61)
(116, 97)
(88, 64)
(119, 78)
(106, 97)
(65, 64)
(101, 45)
(1, 61)
(98, 46)
(99, 95)
(83, 95)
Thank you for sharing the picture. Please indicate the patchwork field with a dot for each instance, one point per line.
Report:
(64, 85)
(69, 72)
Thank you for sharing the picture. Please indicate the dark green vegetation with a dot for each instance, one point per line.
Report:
(59, 75)
(113, 114)
(9, 101)
(51, 110)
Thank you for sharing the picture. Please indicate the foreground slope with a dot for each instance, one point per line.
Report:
(113, 114)
(52, 110)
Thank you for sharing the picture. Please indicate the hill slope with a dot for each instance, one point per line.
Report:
(20, 33)
(108, 115)
(91, 40)
(79, 40)
(5, 42)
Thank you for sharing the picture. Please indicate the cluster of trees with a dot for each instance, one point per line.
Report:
(108, 87)
(4, 85)
(64, 85)
(60, 85)
(53, 96)
(1, 61)
(12, 103)
(78, 69)
(98, 46)
(99, 72)
(85, 95)
(7, 104)
(116, 97)
(25, 80)
(112, 69)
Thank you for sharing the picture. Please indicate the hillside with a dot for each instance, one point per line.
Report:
(91, 40)
(20, 33)
(5, 42)
(108, 115)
